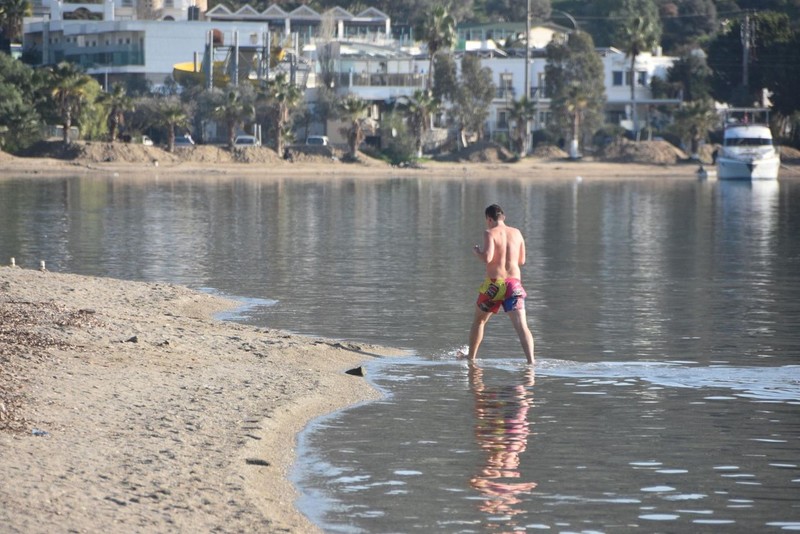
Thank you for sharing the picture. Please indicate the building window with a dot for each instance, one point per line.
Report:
(616, 78)
(502, 120)
(641, 78)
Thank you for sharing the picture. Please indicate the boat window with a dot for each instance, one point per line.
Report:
(748, 141)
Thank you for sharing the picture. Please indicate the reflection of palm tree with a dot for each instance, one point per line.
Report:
(502, 430)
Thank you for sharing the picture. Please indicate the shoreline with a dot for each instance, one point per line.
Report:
(140, 412)
(533, 168)
(530, 168)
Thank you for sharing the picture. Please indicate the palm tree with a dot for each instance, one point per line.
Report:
(439, 33)
(284, 97)
(233, 111)
(576, 103)
(11, 14)
(171, 114)
(352, 108)
(419, 110)
(521, 112)
(69, 89)
(118, 103)
(693, 120)
(640, 30)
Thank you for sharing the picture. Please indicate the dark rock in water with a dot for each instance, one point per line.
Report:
(256, 461)
(357, 371)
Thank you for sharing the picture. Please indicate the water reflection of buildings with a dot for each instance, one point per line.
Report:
(501, 430)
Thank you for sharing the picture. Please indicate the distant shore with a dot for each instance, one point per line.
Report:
(533, 169)
(647, 159)
(127, 408)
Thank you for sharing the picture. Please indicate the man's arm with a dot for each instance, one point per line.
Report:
(485, 253)
(521, 250)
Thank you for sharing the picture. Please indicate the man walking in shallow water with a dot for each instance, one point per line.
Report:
(503, 252)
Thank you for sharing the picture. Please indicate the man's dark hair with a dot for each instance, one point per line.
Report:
(494, 212)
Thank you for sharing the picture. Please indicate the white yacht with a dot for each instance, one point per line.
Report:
(747, 151)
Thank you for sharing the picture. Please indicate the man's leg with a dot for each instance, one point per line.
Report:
(476, 331)
(520, 322)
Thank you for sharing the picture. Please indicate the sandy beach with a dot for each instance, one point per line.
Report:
(126, 407)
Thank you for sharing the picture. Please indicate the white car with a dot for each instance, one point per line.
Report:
(146, 141)
(247, 140)
(184, 140)
(317, 140)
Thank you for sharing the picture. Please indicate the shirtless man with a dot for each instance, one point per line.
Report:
(503, 252)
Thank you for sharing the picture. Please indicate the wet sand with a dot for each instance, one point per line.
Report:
(139, 412)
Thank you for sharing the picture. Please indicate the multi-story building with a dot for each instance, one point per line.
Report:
(152, 40)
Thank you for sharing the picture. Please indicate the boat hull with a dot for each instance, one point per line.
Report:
(748, 169)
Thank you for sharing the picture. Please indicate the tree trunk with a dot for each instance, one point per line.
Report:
(67, 126)
(634, 117)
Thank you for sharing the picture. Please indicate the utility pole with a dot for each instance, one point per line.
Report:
(747, 35)
(527, 73)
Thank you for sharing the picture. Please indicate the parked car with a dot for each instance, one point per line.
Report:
(184, 140)
(317, 140)
(146, 141)
(247, 140)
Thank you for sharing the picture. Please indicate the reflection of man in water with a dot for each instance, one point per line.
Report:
(502, 431)
(503, 252)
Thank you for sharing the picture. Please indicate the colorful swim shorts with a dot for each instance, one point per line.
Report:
(496, 291)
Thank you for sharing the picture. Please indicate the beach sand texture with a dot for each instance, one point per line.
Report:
(136, 411)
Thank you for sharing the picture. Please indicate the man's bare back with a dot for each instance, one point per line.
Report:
(504, 251)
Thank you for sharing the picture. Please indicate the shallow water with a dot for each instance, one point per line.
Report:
(666, 315)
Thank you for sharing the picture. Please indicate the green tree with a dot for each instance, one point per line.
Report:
(638, 30)
(692, 74)
(93, 116)
(233, 111)
(419, 110)
(473, 98)
(687, 22)
(512, 10)
(282, 97)
(70, 90)
(11, 14)
(574, 75)
(693, 121)
(171, 115)
(521, 112)
(774, 63)
(20, 119)
(439, 34)
(352, 109)
(445, 77)
(117, 103)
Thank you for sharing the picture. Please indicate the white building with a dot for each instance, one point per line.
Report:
(152, 39)
(509, 77)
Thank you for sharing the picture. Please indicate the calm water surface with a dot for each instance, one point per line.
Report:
(666, 315)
